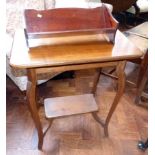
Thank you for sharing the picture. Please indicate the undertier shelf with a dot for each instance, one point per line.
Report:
(69, 105)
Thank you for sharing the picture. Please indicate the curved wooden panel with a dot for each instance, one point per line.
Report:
(61, 20)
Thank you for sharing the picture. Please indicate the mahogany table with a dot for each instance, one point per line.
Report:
(65, 57)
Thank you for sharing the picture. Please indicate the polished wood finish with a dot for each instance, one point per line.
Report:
(96, 80)
(69, 105)
(60, 69)
(72, 57)
(121, 85)
(71, 54)
(32, 102)
(51, 22)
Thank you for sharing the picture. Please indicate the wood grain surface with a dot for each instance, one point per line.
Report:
(78, 134)
(56, 55)
(67, 19)
(69, 105)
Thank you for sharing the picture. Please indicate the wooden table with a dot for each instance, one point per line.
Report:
(65, 57)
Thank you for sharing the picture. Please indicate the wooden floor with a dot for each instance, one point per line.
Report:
(78, 135)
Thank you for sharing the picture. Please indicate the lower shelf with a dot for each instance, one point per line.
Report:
(69, 105)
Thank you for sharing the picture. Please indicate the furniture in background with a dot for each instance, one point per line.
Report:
(119, 5)
(138, 13)
(119, 9)
(14, 18)
(142, 79)
(139, 36)
(140, 7)
(129, 12)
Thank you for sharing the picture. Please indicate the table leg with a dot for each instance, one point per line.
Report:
(96, 80)
(141, 87)
(142, 78)
(31, 97)
(121, 85)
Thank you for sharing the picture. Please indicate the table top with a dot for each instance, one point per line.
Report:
(76, 53)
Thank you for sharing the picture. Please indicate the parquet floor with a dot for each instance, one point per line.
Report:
(78, 135)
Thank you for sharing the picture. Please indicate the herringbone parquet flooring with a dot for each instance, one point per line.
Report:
(78, 135)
